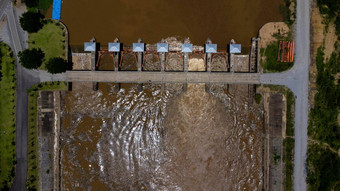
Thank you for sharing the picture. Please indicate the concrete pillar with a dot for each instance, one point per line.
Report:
(140, 87)
(139, 61)
(162, 87)
(117, 87)
(116, 60)
(258, 55)
(69, 86)
(208, 62)
(162, 60)
(231, 61)
(186, 61)
(185, 87)
(94, 86)
(207, 88)
(93, 60)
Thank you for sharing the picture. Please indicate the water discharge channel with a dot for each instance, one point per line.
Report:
(162, 139)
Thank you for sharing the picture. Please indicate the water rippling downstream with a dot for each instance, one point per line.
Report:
(161, 139)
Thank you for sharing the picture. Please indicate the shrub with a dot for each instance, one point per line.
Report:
(31, 58)
(56, 65)
(31, 22)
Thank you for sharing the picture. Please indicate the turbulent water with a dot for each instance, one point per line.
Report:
(161, 138)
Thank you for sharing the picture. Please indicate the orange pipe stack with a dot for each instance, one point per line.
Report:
(292, 52)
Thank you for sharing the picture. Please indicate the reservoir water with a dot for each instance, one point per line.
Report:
(152, 20)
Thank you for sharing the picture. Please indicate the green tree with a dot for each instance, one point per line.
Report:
(31, 58)
(57, 65)
(31, 3)
(31, 22)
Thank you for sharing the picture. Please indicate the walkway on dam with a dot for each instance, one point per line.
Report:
(162, 77)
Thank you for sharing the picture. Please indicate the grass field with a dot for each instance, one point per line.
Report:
(51, 40)
(32, 148)
(7, 117)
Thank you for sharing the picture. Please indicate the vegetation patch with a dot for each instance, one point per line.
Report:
(42, 5)
(323, 160)
(51, 40)
(330, 10)
(32, 147)
(323, 124)
(258, 98)
(323, 168)
(7, 117)
(290, 113)
(287, 14)
(271, 64)
(288, 158)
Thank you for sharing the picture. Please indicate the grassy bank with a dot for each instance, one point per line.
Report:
(51, 39)
(7, 117)
(324, 162)
(32, 177)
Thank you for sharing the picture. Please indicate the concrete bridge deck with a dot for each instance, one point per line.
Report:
(163, 77)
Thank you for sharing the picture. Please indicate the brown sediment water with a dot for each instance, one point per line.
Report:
(152, 20)
(161, 138)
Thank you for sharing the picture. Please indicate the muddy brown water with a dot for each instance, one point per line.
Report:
(161, 138)
(152, 20)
